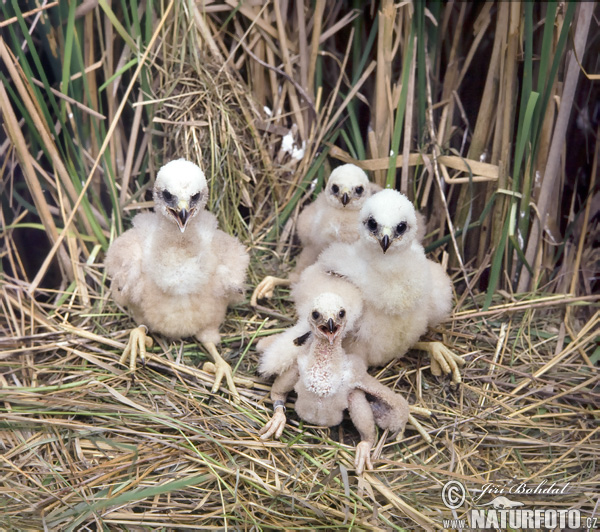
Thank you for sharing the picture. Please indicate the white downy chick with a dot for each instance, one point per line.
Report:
(175, 271)
(330, 218)
(333, 215)
(403, 292)
(328, 381)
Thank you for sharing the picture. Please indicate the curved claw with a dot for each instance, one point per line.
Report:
(221, 369)
(265, 288)
(443, 360)
(417, 410)
(137, 344)
(419, 428)
(362, 460)
(274, 426)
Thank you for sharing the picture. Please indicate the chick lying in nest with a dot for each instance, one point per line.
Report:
(328, 381)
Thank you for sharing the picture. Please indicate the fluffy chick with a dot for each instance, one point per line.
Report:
(329, 381)
(403, 292)
(330, 218)
(175, 271)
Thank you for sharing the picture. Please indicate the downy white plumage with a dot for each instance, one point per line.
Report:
(403, 293)
(327, 381)
(175, 271)
(330, 218)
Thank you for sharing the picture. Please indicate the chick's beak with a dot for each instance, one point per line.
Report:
(182, 215)
(384, 243)
(345, 199)
(331, 325)
(330, 329)
(385, 240)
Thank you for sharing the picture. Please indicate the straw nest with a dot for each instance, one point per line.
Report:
(86, 446)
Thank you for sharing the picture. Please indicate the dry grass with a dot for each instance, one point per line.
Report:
(86, 446)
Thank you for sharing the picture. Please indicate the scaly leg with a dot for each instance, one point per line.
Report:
(221, 369)
(138, 342)
(362, 459)
(265, 288)
(442, 359)
(283, 384)
(275, 425)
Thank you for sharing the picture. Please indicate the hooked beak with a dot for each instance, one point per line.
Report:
(385, 243)
(345, 199)
(331, 330)
(182, 215)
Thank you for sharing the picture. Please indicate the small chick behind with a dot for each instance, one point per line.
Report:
(332, 217)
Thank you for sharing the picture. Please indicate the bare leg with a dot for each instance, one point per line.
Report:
(138, 342)
(443, 360)
(265, 288)
(364, 421)
(221, 369)
(283, 384)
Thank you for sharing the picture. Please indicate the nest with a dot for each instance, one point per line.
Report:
(86, 445)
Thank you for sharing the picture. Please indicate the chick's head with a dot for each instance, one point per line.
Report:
(388, 220)
(328, 318)
(347, 187)
(180, 191)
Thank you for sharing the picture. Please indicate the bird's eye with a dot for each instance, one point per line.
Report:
(342, 313)
(167, 196)
(372, 224)
(401, 228)
(359, 191)
(315, 315)
(335, 189)
(195, 198)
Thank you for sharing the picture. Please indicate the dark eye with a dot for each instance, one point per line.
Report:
(401, 228)
(167, 196)
(315, 315)
(372, 225)
(342, 313)
(195, 198)
(335, 189)
(359, 191)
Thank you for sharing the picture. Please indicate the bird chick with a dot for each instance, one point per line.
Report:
(330, 218)
(328, 381)
(403, 292)
(175, 271)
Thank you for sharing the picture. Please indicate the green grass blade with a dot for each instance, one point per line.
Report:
(114, 20)
(118, 73)
(85, 509)
(523, 139)
(556, 61)
(390, 181)
(66, 66)
(527, 80)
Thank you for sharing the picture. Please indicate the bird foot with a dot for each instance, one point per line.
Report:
(221, 369)
(274, 426)
(209, 367)
(138, 342)
(265, 288)
(443, 360)
(362, 460)
(417, 410)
